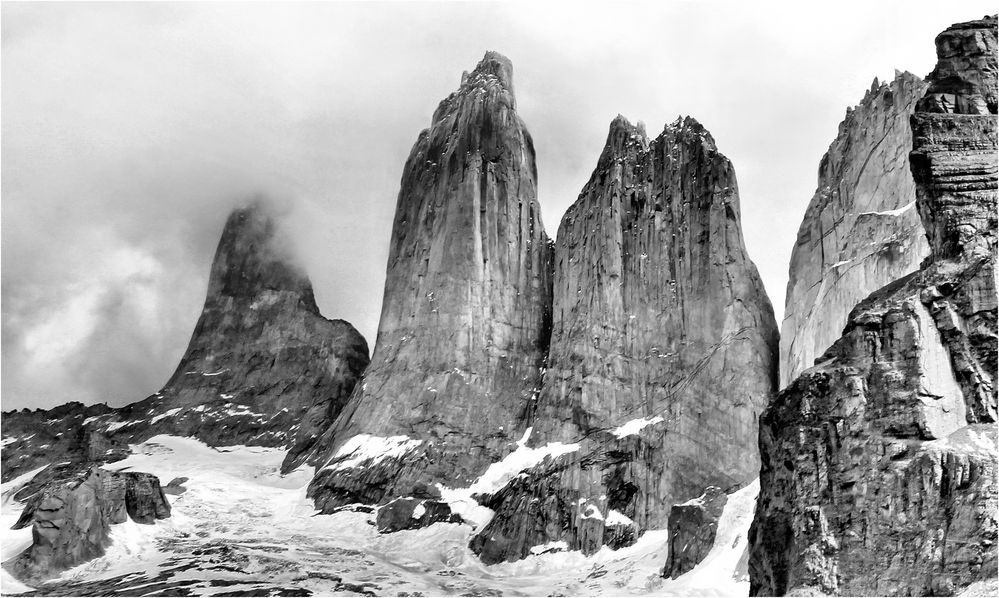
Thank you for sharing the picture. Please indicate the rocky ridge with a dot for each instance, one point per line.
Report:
(878, 468)
(861, 230)
(656, 308)
(466, 314)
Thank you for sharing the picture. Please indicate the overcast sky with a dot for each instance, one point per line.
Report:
(130, 130)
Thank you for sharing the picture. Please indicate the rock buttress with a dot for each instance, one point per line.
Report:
(861, 230)
(878, 471)
(465, 319)
(663, 354)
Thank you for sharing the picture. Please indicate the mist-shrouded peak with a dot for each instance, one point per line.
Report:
(252, 258)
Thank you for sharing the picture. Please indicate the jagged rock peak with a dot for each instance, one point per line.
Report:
(964, 80)
(686, 129)
(493, 65)
(492, 78)
(624, 141)
(251, 260)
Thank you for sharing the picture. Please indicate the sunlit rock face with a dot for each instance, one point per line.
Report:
(663, 354)
(466, 315)
(878, 468)
(861, 230)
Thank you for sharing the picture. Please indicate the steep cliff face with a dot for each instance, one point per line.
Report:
(878, 468)
(861, 230)
(466, 315)
(263, 368)
(663, 354)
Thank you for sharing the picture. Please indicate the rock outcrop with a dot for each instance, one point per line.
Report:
(879, 464)
(263, 368)
(466, 314)
(663, 353)
(861, 230)
(692, 529)
(71, 518)
(413, 513)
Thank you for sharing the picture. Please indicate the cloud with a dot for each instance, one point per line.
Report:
(129, 131)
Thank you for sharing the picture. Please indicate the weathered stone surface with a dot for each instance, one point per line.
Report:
(879, 464)
(954, 147)
(692, 528)
(861, 229)
(466, 316)
(663, 354)
(71, 518)
(263, 368)
(413, 513)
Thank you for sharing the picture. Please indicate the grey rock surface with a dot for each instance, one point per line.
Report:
(861, 229)
(663, 353)
(466, 314)
(71, 518)
(879, 464)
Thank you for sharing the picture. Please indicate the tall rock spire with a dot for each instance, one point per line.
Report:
(663, 350)
(465, 318)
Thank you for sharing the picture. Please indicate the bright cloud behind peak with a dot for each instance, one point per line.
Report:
(129, 131)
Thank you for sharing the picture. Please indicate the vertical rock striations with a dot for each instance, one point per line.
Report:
(663, 353)
(879, 464)
(466, 314)
(861, 230)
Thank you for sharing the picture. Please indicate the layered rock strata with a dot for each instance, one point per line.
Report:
(71, 518)
(663, 354)
(861, 230)
(879, 464)
(466, 314)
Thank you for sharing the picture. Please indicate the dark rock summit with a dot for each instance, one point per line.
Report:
(861, 229)
(663, 352)
(879, 472)
(263, 367)
(467, 308)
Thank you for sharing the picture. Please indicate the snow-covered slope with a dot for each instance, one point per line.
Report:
(241, 526)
